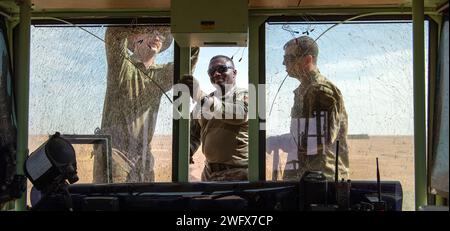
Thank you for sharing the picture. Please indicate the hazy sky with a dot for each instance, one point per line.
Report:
(370, 63)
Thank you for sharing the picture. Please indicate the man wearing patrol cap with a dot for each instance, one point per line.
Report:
(135, 85)
(318, 115)
(220, 122)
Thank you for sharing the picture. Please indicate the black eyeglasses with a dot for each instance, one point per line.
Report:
(219, 68)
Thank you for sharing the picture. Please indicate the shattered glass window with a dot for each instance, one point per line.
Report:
(111, 82)
(239, 56)
(439, 165)
(360, 96)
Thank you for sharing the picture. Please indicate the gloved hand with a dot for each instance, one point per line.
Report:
(194, 88)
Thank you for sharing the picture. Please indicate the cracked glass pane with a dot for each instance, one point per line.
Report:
(106, 81)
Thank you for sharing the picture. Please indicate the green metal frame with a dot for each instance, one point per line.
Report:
(335, 11)
(112, 13)
(254, 161)
(22, 93)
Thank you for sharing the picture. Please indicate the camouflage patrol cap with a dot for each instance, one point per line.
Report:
(305, 44)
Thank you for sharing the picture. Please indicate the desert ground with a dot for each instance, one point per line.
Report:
(395, 154)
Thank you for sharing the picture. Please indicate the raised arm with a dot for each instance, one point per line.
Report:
(116, 45)
(118, 40)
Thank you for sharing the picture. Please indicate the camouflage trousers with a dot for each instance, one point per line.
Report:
(224, 172)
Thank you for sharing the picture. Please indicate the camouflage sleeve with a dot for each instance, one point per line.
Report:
(321, 96)
(195, 136)
(234, 111)
(116, 47)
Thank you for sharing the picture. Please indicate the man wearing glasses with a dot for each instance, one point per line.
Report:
(135, 85)
(318, 116)
(219, 122)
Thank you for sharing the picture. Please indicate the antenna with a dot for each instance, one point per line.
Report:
(378, 182)
(342, 189)
(336, 168)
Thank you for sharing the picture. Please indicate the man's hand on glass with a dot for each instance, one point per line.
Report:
(194, 87)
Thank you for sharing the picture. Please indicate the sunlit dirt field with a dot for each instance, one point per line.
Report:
(395, 155)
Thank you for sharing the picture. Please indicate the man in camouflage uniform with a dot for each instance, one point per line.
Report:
(318, 115)
(135, 85)
(219, 122)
